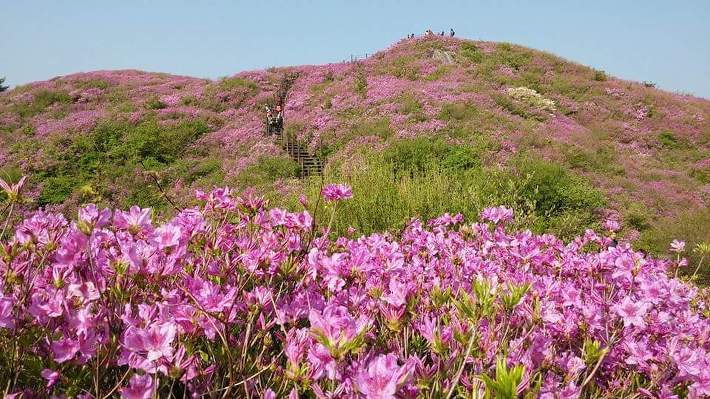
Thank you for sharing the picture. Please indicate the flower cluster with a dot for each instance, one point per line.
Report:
(235, 299)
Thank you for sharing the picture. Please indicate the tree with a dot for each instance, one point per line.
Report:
(2, 88)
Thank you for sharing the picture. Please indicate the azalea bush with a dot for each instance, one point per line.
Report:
(233, 299)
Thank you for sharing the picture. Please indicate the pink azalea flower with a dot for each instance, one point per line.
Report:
(51, 376)
(632, 312)
(336, 327)
(7, 320)
(13, 190)
(499, 214)
(381, 378)
(153, 342)
(611, 225)
(64, 349)
(677, 246)
(135, 220)
(337, 192)
(139, 387)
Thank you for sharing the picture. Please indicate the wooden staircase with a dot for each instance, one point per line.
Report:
(310, 165)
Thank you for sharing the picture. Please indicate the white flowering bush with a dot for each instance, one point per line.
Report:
(532, 98)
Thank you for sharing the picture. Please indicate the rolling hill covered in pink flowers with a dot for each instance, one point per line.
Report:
(431, 110)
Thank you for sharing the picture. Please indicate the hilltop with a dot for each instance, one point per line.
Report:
(426, 126)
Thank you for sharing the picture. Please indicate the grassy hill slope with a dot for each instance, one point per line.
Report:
(430, 125)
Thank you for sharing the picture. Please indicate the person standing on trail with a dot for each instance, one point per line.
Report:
(279, 119)
(452, 33)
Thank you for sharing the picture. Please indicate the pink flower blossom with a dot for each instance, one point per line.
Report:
(632, 312)
(677, 246)
(139, 387)
(381, 378)
(337, 192)
(497, 215)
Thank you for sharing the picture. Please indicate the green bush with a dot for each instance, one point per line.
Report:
(360, 84)
(554, 189)
(40, 101)
(154, 103)
(234, 83)
(384, 199)
(511, 56)
(267, 170)
(471, 52)
(413, 156)
(689, 226)
(56, 190)
(599, 76)
(107, 158)
(668, 140)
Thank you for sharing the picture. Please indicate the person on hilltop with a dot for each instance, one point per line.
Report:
(452, 33)
(274, 119)
(441, 34)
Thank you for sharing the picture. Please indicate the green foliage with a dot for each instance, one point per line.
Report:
(40, 101)
(416, 155)
(360, 84)
(555, 190)
(514, 57)
(267, 170)
(458, 111)
(236, 83)
(599, 76)
(517, 108)
(637, 217)
(93, 83)
(154, 103)
(505, 385)
(438, 73)
(690, 226)
(427, 177)
(668, 140)
(107, 158)
(378, 127)
(57, 189)
(602, 159)
(412, 107)
(471, 52)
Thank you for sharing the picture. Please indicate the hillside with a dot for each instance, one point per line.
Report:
(426, 126)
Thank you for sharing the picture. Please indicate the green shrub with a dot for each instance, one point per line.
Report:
(235, 83)
(458, 111)
(414, 156)
(668, 140)
(267, 170)
(154, 103)
(378, 127)
(689, 226)
(56, 190)
(511, 56)
(107, 159)
(554, 189)
(471, 52)
(384, 199)
(360, 84)
(603, 159)
(40, 101)
(599, 76)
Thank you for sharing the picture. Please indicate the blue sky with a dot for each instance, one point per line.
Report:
(661, 41)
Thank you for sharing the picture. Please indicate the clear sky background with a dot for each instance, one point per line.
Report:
(667, 42)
